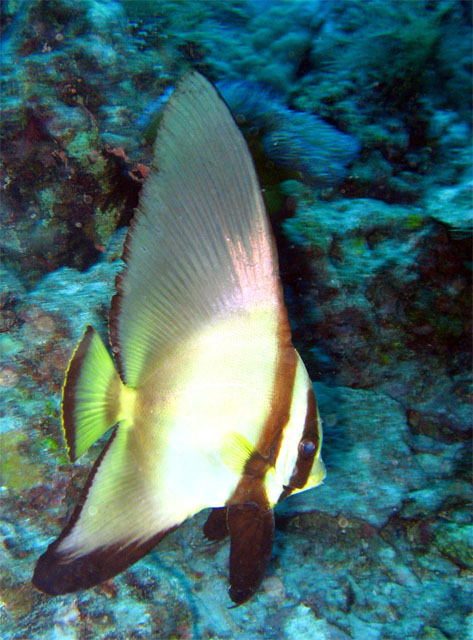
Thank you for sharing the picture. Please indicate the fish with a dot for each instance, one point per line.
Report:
(313, 150)
(210, 403)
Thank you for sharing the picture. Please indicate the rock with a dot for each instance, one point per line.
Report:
(302, 624)
(366, 437)
(456, 543)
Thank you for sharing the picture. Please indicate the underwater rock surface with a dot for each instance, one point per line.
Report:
(376, 264)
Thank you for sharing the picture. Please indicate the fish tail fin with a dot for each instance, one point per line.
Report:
(93, 396)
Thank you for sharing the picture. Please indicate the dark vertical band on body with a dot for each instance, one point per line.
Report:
(304, 462)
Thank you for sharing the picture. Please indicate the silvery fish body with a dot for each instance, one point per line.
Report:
(213, 405)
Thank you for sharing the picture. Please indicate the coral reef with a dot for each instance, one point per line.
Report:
(359, 118)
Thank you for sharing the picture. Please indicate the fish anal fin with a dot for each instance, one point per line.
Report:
(215, 527)
(251, 527)
(55, 577)
(117, 521)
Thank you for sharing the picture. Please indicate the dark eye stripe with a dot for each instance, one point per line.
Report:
(308, 447)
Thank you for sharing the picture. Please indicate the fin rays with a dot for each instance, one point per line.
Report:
(208, 373)
(113, 525)
(90, 396)
(200, 211)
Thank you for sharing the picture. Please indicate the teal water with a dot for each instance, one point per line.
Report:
(358, 116)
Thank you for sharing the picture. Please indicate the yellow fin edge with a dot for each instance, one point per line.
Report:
(91, 395)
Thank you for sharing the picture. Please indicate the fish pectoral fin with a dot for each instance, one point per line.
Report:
(251, 528)
(116, 522)
(236, 452)
(215, 527)
(91, 394)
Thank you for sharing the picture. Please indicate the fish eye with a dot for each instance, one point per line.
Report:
(306, 447)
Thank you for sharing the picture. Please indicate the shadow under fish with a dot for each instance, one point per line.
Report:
(213, 404)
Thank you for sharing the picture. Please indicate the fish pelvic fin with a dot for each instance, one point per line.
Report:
(215, 527)
(251, 527)
(93, 396)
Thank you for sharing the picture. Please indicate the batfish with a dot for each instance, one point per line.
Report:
(210, 402)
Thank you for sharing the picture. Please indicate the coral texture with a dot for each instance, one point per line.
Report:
(358, 115)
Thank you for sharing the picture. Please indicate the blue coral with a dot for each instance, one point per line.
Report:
(296, 140)
(293, 139)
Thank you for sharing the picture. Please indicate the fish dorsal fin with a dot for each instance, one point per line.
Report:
(199, 247)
